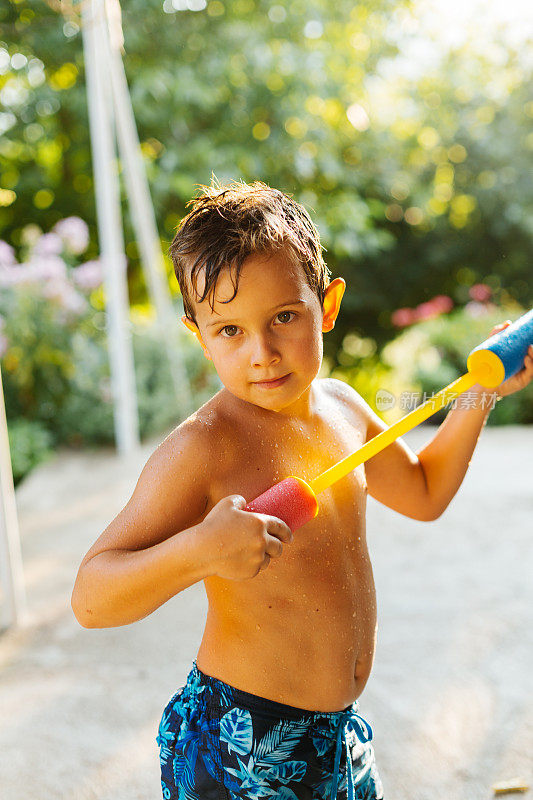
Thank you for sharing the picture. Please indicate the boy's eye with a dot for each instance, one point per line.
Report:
(229, 330)
(285, 314)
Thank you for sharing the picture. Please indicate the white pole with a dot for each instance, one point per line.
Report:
(13, 607)
(107, 192)
(144, 222)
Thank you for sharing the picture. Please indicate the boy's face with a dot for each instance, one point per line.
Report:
(272, 329)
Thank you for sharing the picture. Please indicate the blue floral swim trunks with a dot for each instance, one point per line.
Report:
(221, 743)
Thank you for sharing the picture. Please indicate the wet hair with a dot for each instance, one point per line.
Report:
(231, 222)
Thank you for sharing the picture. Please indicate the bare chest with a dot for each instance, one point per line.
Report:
(261, 456)
(313, 605)
(330, 550)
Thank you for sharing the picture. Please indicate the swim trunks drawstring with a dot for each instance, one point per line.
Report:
(363, 732)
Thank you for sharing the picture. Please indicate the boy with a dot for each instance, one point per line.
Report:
(269, 708)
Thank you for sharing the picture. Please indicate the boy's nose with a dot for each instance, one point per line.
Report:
(264, 353)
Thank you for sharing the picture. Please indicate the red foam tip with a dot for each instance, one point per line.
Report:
(291, 500)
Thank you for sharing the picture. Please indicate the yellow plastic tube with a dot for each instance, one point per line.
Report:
(382, 440)
(489, 364)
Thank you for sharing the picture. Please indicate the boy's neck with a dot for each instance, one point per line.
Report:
(302, 409)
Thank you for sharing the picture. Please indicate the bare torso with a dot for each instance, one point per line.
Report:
(302, 632)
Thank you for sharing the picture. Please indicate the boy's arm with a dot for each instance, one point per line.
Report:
(446, 457)
(421, 485)
(154, 547)
(163, 540)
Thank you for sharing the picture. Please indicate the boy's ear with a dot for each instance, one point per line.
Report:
(193, 328)
(332, 303)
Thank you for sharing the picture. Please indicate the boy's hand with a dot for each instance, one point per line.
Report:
(523, 377)
(243, 542)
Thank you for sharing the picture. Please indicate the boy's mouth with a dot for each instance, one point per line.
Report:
(272, 383)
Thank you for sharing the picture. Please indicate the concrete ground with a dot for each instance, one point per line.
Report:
(450, 697)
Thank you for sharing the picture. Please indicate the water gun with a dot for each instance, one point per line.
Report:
(495, 360)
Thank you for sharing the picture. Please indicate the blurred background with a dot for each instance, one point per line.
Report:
(405, 128)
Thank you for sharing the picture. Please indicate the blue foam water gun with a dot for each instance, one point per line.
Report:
(493, 361)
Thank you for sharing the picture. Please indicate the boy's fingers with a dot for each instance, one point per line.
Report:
(238, 500)
(499, 327)
(279, 529)
(273, 547)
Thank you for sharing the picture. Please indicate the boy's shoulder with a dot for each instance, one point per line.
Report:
(341, 392)
(212, 430)
(348, 401)
(205, 432)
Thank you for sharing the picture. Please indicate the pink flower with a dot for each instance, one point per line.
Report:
(49, 244)
(426, 310)
(88, 276)
(475, 309)
(443, 303)
(402, 317)
(66, 296)
(75, 234)
(480, 292)
(38, 271)
(50, 268)
(8, 276)
(7, 254)
(432, 308)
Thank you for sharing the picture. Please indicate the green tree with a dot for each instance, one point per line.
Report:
(428, 198)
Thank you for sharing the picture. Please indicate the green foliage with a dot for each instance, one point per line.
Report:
(158, 405)
(38, 365)
(55, 366)
(267, 101)
(30, 444)
(86, 416)
(457, 177)
(418, 186)
(426, 357)
(73, 406)
(444, 345)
